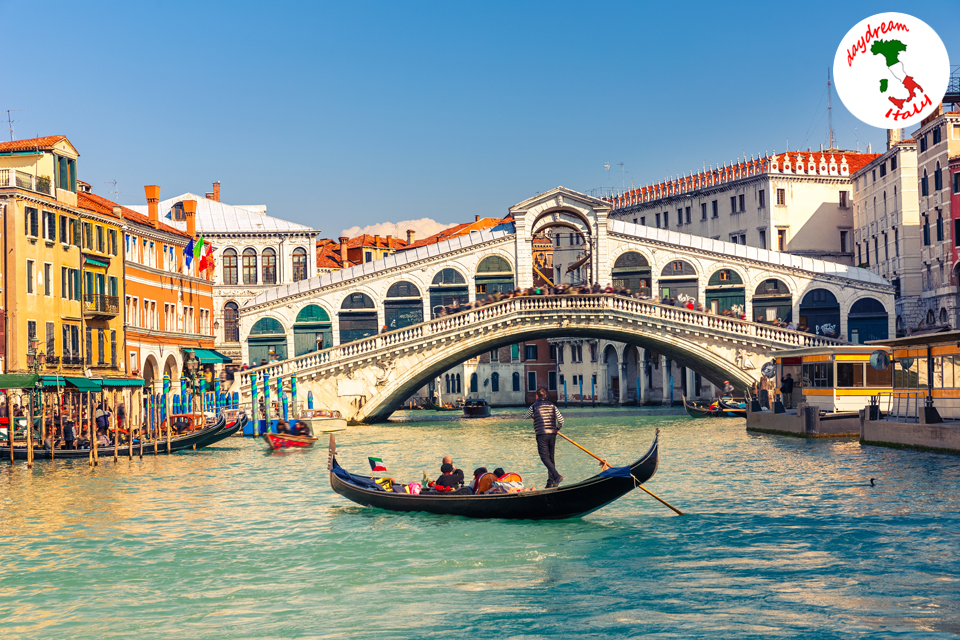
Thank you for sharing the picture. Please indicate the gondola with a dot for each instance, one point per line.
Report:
(476, 409)
(695, 410)
(437, 407)
(177, 443)
(733, 407)
(235, 424)
(715, 410)
(568, 501)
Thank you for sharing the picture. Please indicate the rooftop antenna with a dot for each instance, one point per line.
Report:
(830, 107)
(10, 121)
(116, 191)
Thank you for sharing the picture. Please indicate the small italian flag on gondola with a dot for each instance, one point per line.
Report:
(376, 464)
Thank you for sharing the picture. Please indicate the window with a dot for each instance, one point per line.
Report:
(529, 352)
(956, 182)
(850, 374)
(893, 163)
(724, 274)
(896, 242)
(230, 266)
(51, 343)
(531, 380)
(679, 217)
(269, 257)
(49, 226)
(936, 135)
(716, 209)
(101, 347)
(516, 381)
(886, 246)
(551, 380)
(101, 247)
(593, 352)
(88, 235)
(923, 143)
(113, 289)
(762, 198)
(231, 324)
(495, 382)
(688, 215)
(939, 227)
(883, 169)
(926, 231)
(742, 202)
(30, 276)
(31, 329)
(703, 211)
(514, 353)
(113, 348)
(781, 239)
(658, 220)
(818, 375)
(576, 353)
(249, 266)
(75, 235)
(495, 355)
(474, 383)
(924, 187)
(64, 283)
(843, 200)
(876, 248)
(937, 178)
(560, 350)
(859, 255)
(781, 197)
(666, 219)
(30, 222)
(64, 229)
(113, 244)
(299, 264)
(47, 279)
(763, 238)
(843, 241)
(643, 220)
(874, 172)
(89, 340)
(553, 352)
(733, 204)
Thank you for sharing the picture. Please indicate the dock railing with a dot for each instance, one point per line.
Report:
(903, 404)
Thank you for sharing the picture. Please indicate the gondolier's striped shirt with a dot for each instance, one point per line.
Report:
(546, 417)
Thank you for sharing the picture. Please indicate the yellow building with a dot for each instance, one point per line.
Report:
(62, 271)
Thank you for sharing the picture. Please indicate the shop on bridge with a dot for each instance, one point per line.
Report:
(631, 270)
(772, 301)
(820, 311)
(678, 280)
(358, 318)
(268, 341)
(403, 306)
(494, 275)
(867, 321)
(312, 330)
(448, 286)
(725, 291)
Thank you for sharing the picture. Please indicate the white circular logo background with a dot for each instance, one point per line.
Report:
(891, 70)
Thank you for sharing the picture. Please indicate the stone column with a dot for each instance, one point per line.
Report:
(524, 250)
(691, 383)
(665, 378)
(624, 383)
(642, 393)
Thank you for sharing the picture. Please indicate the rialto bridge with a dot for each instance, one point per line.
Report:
(327, 329)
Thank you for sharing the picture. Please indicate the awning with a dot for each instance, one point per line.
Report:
(53, 381)
(121, 382)
(18, 380)
(84, 384)
(97, 263)
(209, 356)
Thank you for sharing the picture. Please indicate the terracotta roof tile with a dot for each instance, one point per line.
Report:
(99, 204)
(460, 230)
(31, 144)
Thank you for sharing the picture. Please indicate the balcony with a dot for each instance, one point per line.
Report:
(97, 305)
(23, 180)
(72, 361)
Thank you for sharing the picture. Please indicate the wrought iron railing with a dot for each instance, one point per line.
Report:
(99, 303)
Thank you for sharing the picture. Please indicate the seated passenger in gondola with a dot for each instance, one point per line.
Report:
(102, 439)
(180, 425)
(477, 474)
(448, 481)
(302, 429)
(283, 427)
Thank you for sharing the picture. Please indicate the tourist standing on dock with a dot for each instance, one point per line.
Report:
(766, 385)
(547, 422)
(786, 390)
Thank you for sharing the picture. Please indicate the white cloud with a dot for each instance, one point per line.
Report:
(424, 227)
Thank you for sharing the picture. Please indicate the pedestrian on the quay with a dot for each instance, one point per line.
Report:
(547, 422)
(766, 384)
(786, 391)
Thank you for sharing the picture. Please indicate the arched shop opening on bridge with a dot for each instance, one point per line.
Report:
(448, 286)
(772, 301)
(632, 271)
(312, 330)
(678, 280)
(358, 318)
(725, 292)
(494, 275)
(267, 341)
(867, 320)
(403, 306)
(820, 311)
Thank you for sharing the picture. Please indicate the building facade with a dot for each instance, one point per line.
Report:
(938, 139)
(887, 234)
(796, 202)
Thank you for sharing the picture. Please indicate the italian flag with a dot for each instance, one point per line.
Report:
(376, 464)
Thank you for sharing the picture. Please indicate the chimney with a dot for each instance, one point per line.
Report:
(411, 236)
(215, 194)
(893, 137)
(118, 211)
(389, 238)
(190, 212)
(343, 251)
(153, 204)
(376, 240)
(476, 218)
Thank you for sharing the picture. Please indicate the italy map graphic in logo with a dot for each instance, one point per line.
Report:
(891, 70)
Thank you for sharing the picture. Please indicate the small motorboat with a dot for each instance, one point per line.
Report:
(322, 420)
(476, 408)
(288, 441)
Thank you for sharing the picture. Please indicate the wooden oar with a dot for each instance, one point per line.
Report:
(604, 465)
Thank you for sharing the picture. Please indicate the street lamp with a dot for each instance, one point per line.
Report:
(35, 360)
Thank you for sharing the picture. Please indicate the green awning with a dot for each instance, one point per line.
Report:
(84, 384)
(53, 381)
(18, 380)
(97, 263)
(209, 356)
(121, 382)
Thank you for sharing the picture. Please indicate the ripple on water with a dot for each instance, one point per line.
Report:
(784, 539)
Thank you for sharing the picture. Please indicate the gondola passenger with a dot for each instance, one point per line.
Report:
(302, 429)
(283, 427)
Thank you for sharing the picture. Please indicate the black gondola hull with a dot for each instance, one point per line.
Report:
(569, 501)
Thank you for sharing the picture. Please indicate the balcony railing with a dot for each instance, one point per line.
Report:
(72, 361)
(100, 304)
(24, 180)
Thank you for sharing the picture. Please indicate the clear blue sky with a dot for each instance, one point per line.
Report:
(338, 114)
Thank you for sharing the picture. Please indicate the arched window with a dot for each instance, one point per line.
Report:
(931, 318)
(474, 387)
(249, 266)
(447, 376)
(231, 317)
(459, 388)
(495, 382)
(943, 316)
(299, 264)
(229, 266)
(448, 276)
(269, 257)
(937, 178)
(924, 188)
(516, 381)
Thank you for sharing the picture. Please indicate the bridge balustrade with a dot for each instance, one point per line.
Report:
(451, 324)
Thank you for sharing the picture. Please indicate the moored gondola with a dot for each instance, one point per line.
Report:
(715, 410)
(568, 501)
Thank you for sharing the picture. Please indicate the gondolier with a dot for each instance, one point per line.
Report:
(547, 421)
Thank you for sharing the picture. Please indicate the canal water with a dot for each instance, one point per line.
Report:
(784, 538)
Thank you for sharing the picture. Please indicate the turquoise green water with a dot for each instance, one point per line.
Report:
(783, 540)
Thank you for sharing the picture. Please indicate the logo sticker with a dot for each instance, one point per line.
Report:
(891, 70)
